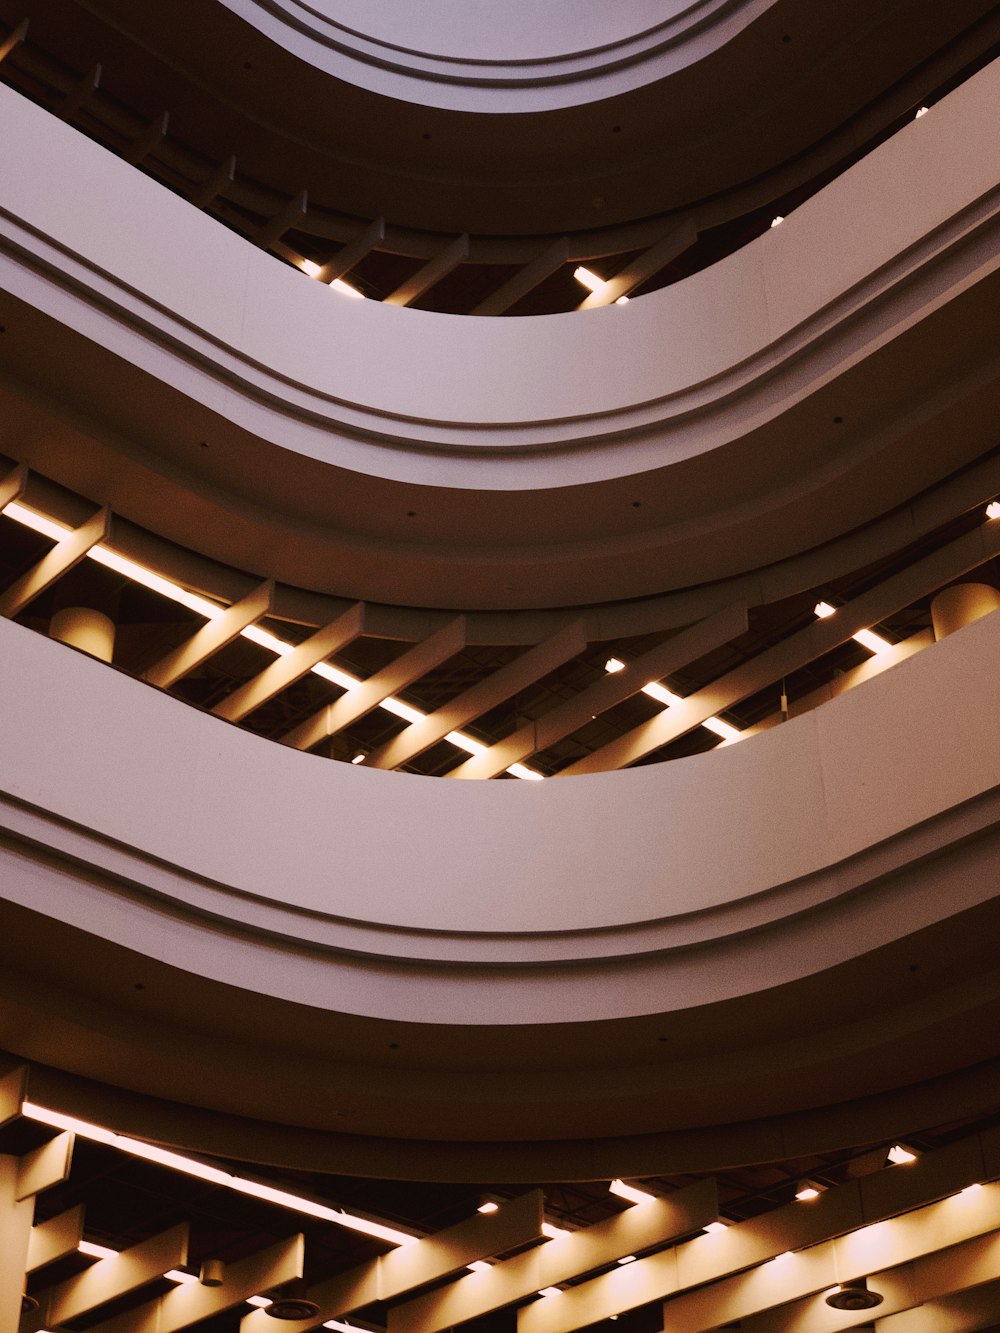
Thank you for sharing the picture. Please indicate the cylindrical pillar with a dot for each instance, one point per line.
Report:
(960, 605)
(83, 627)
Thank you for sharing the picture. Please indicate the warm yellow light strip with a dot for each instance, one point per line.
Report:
(338, 284)
(213, 1174)
(866, 637)
(666, 697)
(103, 555)
(630, 1192)
(593, 283)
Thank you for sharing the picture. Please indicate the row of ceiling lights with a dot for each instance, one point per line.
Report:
(104, 555)
(211, 1273)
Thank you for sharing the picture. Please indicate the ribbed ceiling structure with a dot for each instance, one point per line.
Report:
(396, 393)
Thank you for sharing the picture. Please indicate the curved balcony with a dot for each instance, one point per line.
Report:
(549, 934)
(796, 391)
(466, 212)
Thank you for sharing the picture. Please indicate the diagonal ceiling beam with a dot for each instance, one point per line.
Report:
(684, 647)
(190, 1303)
(358, 701)
(81, 94)
(526, 279)
(284, 671)
(917, 580)
(55, 563)
(108, 1279)
(904, 1290)
(55, 1239)
(153, 135)
(217, 182)
(969, 1311)
(653, 1222)
(212, 637)
(751, 1245)
(392, 1275)
(964, 1228)
(517, 675)
(644, 266)
(431, 274)
(13, 484)
(13, 1090)
(13, 39)
(351, 254)
(44, 1167)
(292, 215)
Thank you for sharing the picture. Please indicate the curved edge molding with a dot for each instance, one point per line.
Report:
(532, 874)
(541, 57)
(444, 385)
(968, 1094)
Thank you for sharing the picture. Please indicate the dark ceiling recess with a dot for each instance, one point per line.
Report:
(87, 70)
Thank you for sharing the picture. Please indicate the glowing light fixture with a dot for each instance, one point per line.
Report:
(337, 284)
(661, 694)
(627, 1259)
(723, 729)
(630, 1192)
(666, 697)
(176, 1275)
(30, 518)
(358, 759)
(866, 637)
(130, 569)
(479, 1266)
(921, 111)
(900, 1154)
(809, 1189)
(155, 582)
(488, 1206)
(203, 1171)
(993, 509)
(776, 222)
(262, 1301)
(873, 642)
(588, 279)
(463, 742)
(550, 1291)
(552, 1231)
(266, 640)
(713, 1228)
(96, 1251)
(622, 300)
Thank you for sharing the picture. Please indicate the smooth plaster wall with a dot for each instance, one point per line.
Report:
(526, 56)
(421, 378)
(109, 754)
(479, 30)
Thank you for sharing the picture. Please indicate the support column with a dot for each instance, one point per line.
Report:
(15, 1230)
(960, 605)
